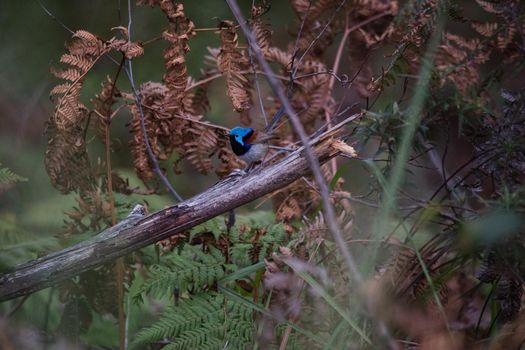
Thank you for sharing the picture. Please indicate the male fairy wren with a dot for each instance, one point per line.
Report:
(248, 144)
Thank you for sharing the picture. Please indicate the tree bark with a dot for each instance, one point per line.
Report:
(138, 231)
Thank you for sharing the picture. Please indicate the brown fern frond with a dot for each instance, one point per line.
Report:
(404, 275)
(105, 99)
(60, 89)
(310, 11)
(196, 100)
(506, 36)
(130, 49)
(490, 7)
(293, 201)
(458, 60)
(92, 213)
(179, 31)
(84, 43)
(311, 95)
(82, 62)
(262, 33)
(233, 64)
(66, 160)
(402, 269)
(279, 56)
(102, 106)
(199, 152)
(84, 50)
(158, 130)
(486, 29)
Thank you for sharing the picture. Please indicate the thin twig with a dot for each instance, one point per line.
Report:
(312, 43)
(167, 116)
(313, 163)
(331, 83)
(62, 24)
(219, 75)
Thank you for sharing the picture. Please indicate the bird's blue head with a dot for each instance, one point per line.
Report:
(240, 139)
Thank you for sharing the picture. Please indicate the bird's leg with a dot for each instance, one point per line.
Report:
(243, 172)
(250, 167)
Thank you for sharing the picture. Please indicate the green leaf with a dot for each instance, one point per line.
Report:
(8, 177)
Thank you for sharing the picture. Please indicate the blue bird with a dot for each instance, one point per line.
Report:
(248, 144)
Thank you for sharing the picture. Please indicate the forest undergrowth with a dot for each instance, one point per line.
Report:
(431, 209)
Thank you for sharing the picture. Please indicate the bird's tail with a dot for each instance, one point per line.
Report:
(275, 119)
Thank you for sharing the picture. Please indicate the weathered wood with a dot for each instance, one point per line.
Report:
(139, 231)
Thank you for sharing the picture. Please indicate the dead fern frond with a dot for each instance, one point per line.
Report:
(199, 152)
(486, 29)
(105, 99)
(310, 11)
(506, 36)
(233, 64)
(311, 96)
(152, 95)
(263, 35)
(66, 160)
(196, 100)
(294, 201)
(83, 52)
(490, 7)
(128, 48)
(102, 106)
(404, 275)
(458, 61)
(179, 31)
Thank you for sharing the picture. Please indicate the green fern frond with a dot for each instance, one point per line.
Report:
(192, 270)
(8, 177)
(199, 338)
(205, 321)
